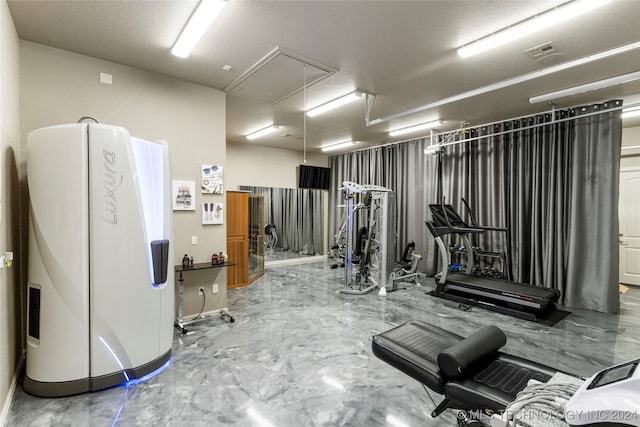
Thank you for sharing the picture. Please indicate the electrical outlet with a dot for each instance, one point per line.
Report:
(201, 290)
(215, 288)
(194, 240)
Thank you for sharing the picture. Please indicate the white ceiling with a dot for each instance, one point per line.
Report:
(404, 52)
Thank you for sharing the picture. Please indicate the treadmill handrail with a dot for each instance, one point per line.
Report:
(456, 229)
(475, 224)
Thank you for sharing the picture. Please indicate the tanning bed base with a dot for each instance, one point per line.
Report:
(69, 388)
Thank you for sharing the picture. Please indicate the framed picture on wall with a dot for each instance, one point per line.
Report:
(184, 198)
(212, 179)
(212, 213)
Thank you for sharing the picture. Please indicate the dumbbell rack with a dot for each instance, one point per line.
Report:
(456, 254)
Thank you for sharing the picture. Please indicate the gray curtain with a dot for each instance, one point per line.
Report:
(553, 184)
(593, 249)
(405, 170)
(297, 215)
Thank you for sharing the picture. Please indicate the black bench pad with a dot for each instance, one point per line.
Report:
(490, 382)
(496, 383)
(413, 348)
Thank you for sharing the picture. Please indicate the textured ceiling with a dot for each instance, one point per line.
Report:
(404, 52)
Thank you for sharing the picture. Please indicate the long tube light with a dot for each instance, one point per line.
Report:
(415, 128)
(200, 21)
(530, 26)
(512, 81)
(262, 132)
(587, 87)
(338, 146)
(631, 112)
(338, 102)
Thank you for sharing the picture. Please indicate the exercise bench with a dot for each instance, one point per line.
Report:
(471, 373)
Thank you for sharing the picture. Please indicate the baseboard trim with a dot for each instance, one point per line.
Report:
(295, 261)
(12, 388)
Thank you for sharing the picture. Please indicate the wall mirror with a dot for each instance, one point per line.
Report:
(294, 222)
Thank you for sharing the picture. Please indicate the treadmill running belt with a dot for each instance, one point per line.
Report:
(522, 293)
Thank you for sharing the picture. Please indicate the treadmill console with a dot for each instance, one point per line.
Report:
(610, 397)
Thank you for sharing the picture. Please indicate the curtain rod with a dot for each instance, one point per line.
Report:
(537, 125)
(553, 110)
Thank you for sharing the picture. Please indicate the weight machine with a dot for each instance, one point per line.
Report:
(272, 236)
(375, 246)
(407, 267)
(339, 248)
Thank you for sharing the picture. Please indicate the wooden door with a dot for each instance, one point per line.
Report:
(630, 227)
(237, 238)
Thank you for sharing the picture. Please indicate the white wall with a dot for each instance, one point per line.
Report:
(259, 166)
(254, 165)
(11, 177)
(630, 138)
(60, 87)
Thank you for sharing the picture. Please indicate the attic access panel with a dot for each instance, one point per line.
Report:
(277, 76)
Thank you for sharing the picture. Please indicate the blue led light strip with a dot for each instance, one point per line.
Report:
(113, 353)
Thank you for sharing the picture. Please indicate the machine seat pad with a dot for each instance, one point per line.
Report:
(496, 384)
(413, 348)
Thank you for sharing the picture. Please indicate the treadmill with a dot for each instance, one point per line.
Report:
(516, 299)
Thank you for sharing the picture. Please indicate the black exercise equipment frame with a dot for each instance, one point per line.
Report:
(527, 307)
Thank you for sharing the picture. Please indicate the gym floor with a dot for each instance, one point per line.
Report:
(278, 254)
(299, 354)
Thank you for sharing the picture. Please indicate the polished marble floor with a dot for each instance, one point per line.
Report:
(279, 254)
(299, 354)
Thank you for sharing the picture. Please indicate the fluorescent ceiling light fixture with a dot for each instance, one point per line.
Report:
(415, 128)
(262, 132)
(631, 112)
(338, 102)
(530, 26)
(588, 87)
(512, 81)
(338, 146)
(200, 21)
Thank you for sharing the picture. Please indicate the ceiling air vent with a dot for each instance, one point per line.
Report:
(541, 50)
